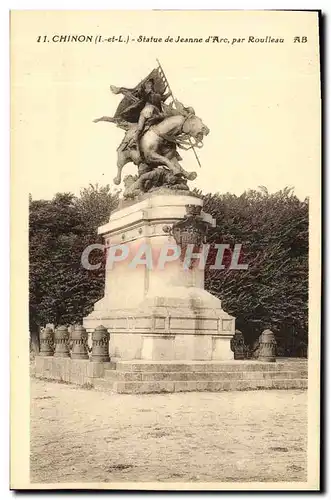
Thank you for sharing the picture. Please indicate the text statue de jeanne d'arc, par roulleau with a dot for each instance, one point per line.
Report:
(154, 131)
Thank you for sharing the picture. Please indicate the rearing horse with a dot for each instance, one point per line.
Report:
(159, 143)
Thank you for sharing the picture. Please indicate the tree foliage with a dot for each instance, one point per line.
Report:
(273, 291)
(61, 290)
(272, 228)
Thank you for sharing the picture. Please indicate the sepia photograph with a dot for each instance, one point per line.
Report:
(166, 250)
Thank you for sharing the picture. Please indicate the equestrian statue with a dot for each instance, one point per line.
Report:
(154, 130)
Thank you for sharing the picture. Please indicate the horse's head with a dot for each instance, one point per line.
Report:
(195, 127)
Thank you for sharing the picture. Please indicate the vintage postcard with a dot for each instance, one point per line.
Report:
(166, 250)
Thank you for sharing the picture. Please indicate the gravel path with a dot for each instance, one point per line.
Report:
(88, 436)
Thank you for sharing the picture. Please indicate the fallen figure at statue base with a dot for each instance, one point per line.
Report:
(151, 180)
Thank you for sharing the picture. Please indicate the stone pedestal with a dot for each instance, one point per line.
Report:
(152, 313)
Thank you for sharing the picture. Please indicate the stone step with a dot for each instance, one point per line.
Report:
(103, 384)
(144, 387)
(211, 366)
(119, 375)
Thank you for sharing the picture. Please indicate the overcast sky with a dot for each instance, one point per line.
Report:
(260, 101)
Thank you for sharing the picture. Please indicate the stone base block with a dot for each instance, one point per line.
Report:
(170, 347)
(143, 377)
(221, 350)
(72, 371)
(158, 347)
(204, 386)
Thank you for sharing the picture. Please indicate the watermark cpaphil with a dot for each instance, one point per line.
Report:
(217, 256)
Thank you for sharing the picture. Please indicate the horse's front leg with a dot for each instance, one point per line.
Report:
(118, 179)
(122, 160)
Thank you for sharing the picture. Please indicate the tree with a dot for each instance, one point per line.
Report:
(273, 291)
(61, 290)
(94, 205)
(272, 228)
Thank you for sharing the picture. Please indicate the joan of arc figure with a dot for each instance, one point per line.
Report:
(154, 129)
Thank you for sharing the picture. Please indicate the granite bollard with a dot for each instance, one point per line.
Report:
(267, 347)
(47, 342)
(61, 338)
(100, 345)
(79, 343)
(238, 345)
